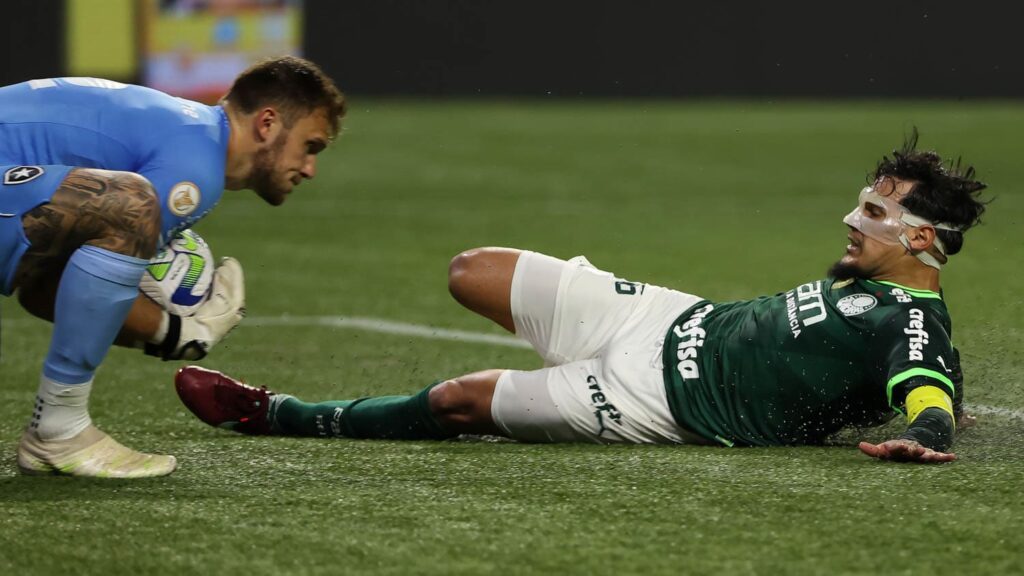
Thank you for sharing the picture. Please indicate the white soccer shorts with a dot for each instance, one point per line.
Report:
(601, 339)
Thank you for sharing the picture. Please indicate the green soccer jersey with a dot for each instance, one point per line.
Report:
(798, 366)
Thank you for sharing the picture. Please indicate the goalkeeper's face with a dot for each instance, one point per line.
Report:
(290, 158)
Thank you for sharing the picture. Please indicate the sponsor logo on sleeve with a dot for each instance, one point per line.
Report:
(22, 174)
(856, 304)
(918, 336)
(183, 199)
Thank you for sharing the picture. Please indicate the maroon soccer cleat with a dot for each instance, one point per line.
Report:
(222, 401)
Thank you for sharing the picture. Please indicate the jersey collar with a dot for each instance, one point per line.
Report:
(915, 292)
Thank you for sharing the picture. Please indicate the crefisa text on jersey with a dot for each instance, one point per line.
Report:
(918, 335)
(691, 339)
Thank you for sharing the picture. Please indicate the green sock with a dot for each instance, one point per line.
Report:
(382, 417)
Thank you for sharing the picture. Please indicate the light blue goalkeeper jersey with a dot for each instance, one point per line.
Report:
(180, 146)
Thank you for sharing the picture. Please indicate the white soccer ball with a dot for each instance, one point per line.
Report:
(180, 276)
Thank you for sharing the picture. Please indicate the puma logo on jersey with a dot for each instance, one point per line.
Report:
(943, 362)
(918, 335)
(336, 421)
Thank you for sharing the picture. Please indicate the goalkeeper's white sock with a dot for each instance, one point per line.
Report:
(61, 411)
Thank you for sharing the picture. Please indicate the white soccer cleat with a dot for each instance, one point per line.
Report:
(91, 453)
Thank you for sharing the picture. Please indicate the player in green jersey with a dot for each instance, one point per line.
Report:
(632, 362)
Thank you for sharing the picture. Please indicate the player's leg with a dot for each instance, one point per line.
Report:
(150, 327)
(568, 310)
(492, 402)
(143, 323)
(100, 228)
(441, 410)
(481, 280)
(602, 337)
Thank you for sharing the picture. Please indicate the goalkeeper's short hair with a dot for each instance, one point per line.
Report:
(294, 86)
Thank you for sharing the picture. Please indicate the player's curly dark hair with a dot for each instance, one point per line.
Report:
(944, 192)
(295, 86)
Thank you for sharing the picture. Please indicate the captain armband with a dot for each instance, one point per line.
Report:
(927, 397)
(930, 413)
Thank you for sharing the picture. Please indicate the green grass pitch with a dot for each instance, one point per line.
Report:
(726, 200)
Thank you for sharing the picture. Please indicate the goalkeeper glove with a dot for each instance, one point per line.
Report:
(192, 337)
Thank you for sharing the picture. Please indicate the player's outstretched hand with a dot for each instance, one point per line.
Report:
(905, 451)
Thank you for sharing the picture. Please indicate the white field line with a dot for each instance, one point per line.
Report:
(389, 327)
(421, 331)
(984, 410)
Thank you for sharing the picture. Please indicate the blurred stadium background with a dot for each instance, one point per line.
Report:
(712, 147)
(538, 48)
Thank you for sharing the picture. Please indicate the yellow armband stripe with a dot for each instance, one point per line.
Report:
(928, 397)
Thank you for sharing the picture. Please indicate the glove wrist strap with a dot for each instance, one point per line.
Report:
(166, 348)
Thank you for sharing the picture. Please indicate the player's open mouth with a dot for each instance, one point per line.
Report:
(853, 246)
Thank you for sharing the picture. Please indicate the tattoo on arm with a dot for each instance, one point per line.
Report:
(116, 211)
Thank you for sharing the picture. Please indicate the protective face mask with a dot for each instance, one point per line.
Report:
(886, 230)
(892, 228)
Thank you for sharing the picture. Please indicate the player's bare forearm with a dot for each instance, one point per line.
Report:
(142, 323)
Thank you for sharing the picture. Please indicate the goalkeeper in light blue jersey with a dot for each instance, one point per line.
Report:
(97, 175)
